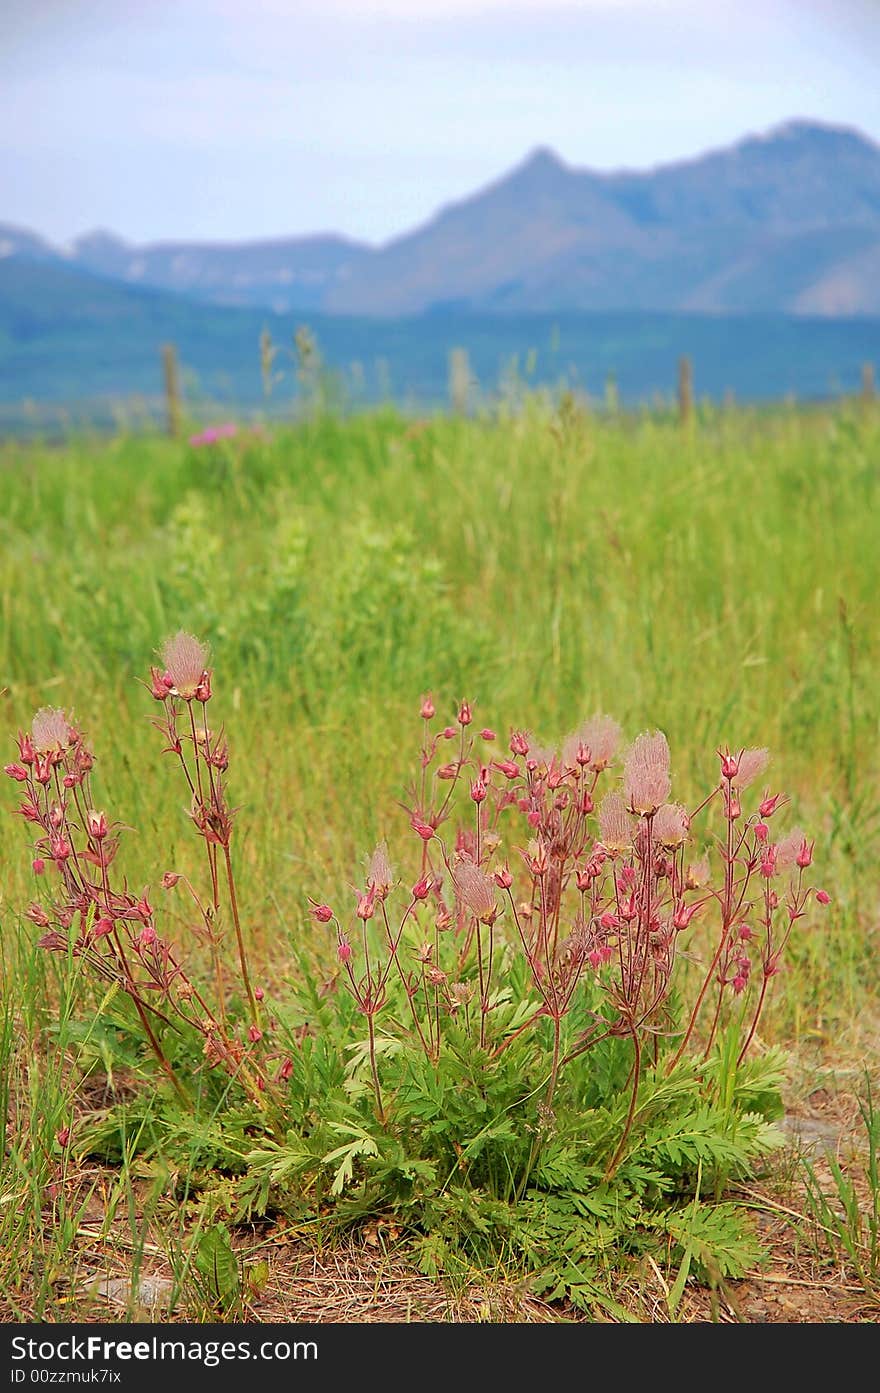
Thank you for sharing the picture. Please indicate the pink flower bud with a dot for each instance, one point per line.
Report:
(464, 714)
(286, 1070)
(768, 864)
(519, 744)
(448, 771)
(507, 768)
(102, 927)
(424, 831)
(729, 765)
(534, 818)
(478, 791)
(254, 1034)
(16, 771)
(63, 1137)
(608, 920)
(26, 749)
(427, 710)
(158, 685)
(583, 879)
(169, 880)
(586, 804)
(259, 994)
(594, 957)
(823, 897)
(60, 849)
(37, 915)
(322, 912)
(683, 915)
(38, 865)
(762, 831)
(203, 688)
(487, 734)
(805, 854)
(343, 950)
(769, 805)
(96, 825)
(503, 878)
(365, 906)
(147, 936)
(422, 888)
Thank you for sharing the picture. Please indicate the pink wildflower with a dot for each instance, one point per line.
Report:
(51, 730)
(615, 824)
(646, 778)
(671, 825)
(476, 891)
(185, 658)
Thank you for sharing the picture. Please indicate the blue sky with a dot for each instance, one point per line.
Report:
(229, 119)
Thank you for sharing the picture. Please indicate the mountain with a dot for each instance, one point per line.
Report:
(788, 221)
(295, 273)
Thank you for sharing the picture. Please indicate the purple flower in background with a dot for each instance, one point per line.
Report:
(212, 434)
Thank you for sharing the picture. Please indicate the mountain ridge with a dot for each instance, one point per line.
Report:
(786, 220)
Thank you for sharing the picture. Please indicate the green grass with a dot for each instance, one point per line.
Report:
(720, 584)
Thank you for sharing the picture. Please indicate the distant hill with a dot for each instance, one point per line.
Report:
(785, 222)
(73, 339)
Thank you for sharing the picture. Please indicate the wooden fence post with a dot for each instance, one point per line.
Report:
(685, 389)
(459, 381)
(173, 408)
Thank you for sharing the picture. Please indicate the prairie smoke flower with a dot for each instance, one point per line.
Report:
(185, 659)
(380, 876)
(752, 764)
(599, 736)
(519, 742)
(322, 912)
(487, 734)
(464, 714)
(823, 897)
(51, 730)
(770, 804)
(697, 874)
(427, 711)
(461, 993)
(790, 848)
(646, 781)
(212, 434)
(96, 824)
(476, 891)
(615, 824)
(671, 825)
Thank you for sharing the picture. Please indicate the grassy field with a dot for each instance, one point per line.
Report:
(718, 582)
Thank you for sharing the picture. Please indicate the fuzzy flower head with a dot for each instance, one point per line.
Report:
(790, 847)
(646, 781)
(601, 736)
(476, 891)
(752, 764)
(51, 730)
(186, 660)
(380, 876)
(671, 825)
(615, 824)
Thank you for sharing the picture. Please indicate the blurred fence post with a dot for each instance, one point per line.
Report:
(869, 386)
(685, 389)
(173, 408)
(459, 381)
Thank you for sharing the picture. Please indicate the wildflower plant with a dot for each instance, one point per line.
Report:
(541, 1021)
